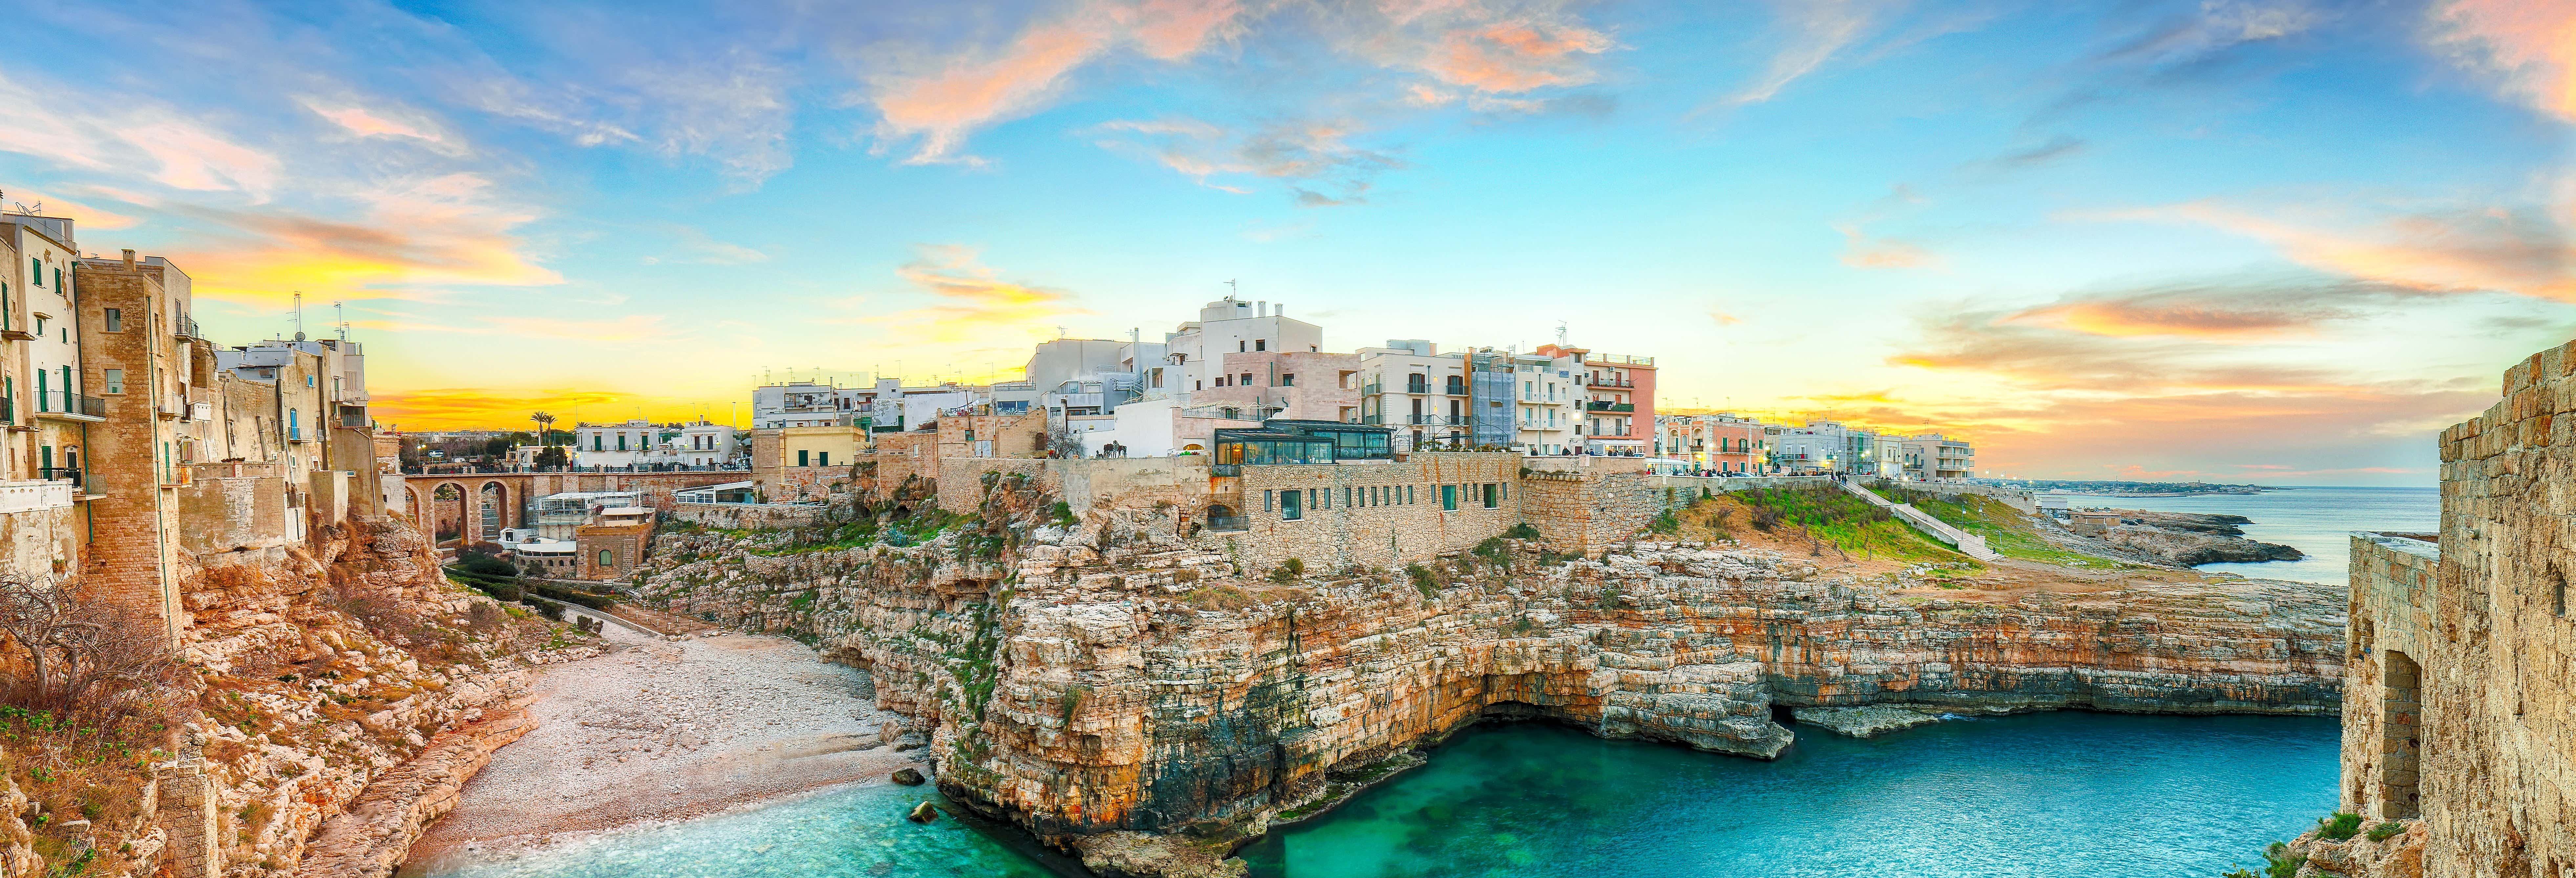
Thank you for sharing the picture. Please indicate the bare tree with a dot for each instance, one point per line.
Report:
(80, 651)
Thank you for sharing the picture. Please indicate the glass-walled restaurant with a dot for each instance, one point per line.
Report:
(1281, 441)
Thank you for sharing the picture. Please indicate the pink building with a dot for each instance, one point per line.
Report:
(1618, 414)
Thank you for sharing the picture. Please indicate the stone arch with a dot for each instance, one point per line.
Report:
(491, 511)
(1223, 517)
(2401, 723)
(446, 522)
(411, 505)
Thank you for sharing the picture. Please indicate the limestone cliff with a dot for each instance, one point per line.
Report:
(1112, 689)
(312, 677)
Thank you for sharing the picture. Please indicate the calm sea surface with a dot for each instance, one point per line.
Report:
(2317, 521)
(2063, 794)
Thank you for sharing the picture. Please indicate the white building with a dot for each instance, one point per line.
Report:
(1422, 393)
(1547, 403)
(1194, 355)
(615, 445)
(806, 404)
(706, 444)
(1933, 457)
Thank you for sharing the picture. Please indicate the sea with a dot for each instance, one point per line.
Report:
(2054, 794)
(2316, 521)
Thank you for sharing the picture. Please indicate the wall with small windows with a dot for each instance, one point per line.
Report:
(1374, 514)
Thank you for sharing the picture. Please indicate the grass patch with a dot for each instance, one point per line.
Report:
(2006, 530)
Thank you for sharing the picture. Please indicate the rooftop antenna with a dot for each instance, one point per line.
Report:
(342, 317)
(1560, 333)
(1232, 290)
(299, 316)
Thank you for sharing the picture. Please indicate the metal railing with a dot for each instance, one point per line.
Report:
(1601, 406)
(1606, 381)
(1227, 470)
(185, 327)
(1417, 387)
(71, 404)
(1229, 522)
(1616, 359)
(60, 474)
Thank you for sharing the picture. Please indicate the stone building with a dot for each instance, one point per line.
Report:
(2460, 686)
(614, 542)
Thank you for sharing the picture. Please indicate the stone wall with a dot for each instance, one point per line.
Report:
(1583, 510)
(746, 516)
(232, 506)
(961, 480)
(2499, 680)
(1358, 527)
(2391, 629)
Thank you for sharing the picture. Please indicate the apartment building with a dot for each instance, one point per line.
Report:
(1194, 354)
(1548, 401)
(1933, 457)
(1721, 443)
(806, 404)
(1423, 394)
(1617, 409)
(48, 409)
(1296, 385)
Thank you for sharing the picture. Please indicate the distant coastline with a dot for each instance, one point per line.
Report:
(2131, 489)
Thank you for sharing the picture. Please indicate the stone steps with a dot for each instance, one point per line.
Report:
(1968, 544)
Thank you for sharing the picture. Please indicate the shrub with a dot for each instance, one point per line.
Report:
(1522, 531)
(1422, 581)
(1289, 571)
(2385, 831)
(2338, 826)
(486, 565)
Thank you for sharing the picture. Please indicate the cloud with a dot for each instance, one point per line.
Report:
(1516, 56)
(2231, 311)
(393, 122)
(2527, 46)
(1314, 158)
(936, 103)
(447, 229)
(1817, 29)
(2056, 148)
(161, 144)
(697, 248)
(1864, 252)
(2516, 250)
(972, 302)
(556, 110)
(88, 217)
(1722, 318)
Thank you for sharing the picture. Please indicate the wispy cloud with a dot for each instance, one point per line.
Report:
(2235, 311)
(449, 229)
(1314, 158)
(2527, 46)
(2519, 250)
(970, 301)
(1815, 30)
(697, 247)
(400, 123)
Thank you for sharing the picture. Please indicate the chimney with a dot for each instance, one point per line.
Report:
(1261, 309)
(129, 259)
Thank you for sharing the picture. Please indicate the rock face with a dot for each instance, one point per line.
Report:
(1100, 686)
(2193, 547)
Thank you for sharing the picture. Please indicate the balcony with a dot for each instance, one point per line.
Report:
(185, 328)
(1607, 381)
(1417, 387)
(1617, 360)
(1602, 406)
(70, 475)
(1225, 470)
(71, 407)
(35, 496)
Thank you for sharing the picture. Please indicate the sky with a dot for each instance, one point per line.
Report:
(2276, 241)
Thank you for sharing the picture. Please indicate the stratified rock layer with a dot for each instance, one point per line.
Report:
(1143, 688)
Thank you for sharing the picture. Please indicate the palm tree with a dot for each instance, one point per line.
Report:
(545, 423)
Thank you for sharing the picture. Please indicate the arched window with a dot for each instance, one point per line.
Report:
(607, 557)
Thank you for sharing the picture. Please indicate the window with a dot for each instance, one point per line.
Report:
(1247, 379)
(115, 380)
(37, 266)
(1266, 497)
(308, 380)
(40, 325)
(803, 457)
(1449, 497)
(621, 441)
(1408, 493)
(1287, 379)
(58, 278)
(1289, 507)
(43, 403)
(822, 458)
(595, 441)
(607, 557)
(294, 427)
(1492, 496)
(1260, 344)
(1239, 347)
(115, 320)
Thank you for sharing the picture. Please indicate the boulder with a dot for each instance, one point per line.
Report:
(924, 812)
(908, 777)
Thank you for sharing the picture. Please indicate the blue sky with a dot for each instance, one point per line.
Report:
(2245, 240)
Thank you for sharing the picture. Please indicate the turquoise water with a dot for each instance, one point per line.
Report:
(2064, 794)
(2317, 521)
(854, 831)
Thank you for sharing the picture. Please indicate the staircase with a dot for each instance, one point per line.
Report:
(1967, 543)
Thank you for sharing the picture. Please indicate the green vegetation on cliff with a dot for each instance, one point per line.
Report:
(2007, 531)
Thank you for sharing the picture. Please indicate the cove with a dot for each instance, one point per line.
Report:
(2052, 794)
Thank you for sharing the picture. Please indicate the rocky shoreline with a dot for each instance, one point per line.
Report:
(1132, 697)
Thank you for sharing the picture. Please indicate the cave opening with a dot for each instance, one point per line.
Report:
(1783, 714)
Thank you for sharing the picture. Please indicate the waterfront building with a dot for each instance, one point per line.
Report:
(619, 444)
(1721, 443)
(1422, 394)
(1297, 385)
(1194, 353)
(1618, 405)
(1933, 457)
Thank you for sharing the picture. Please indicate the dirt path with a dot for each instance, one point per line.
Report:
(664, 731)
